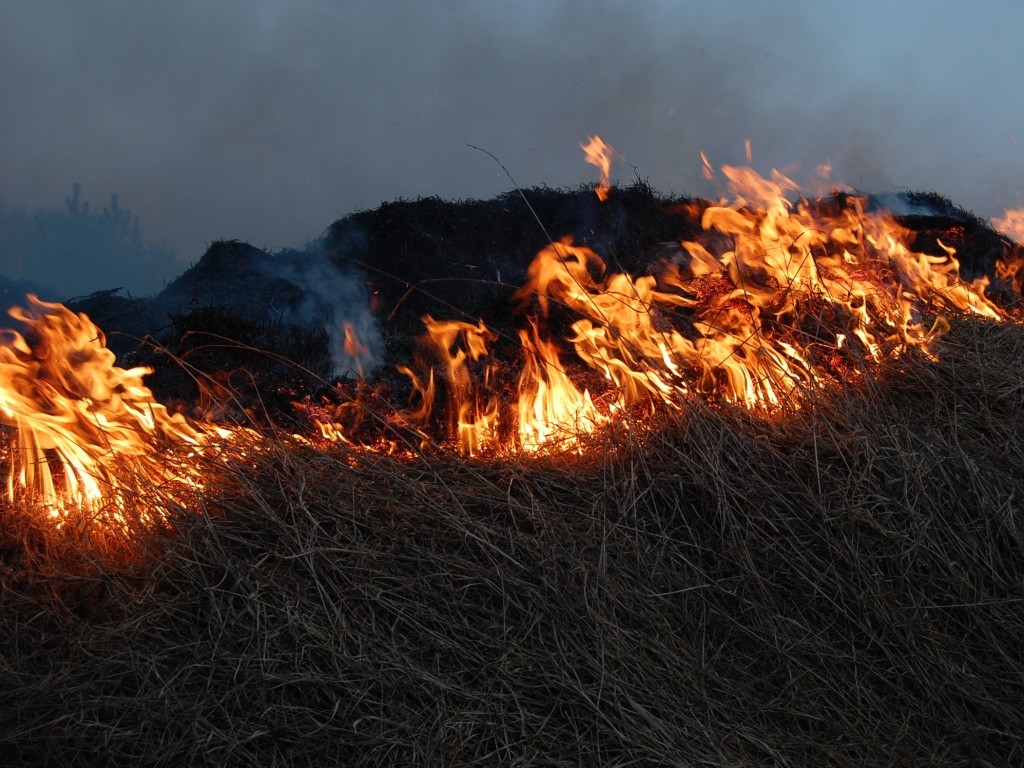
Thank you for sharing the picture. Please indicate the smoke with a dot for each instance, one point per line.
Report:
(334, 299)
(266, 122)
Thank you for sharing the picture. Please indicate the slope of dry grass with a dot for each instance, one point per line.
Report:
(841, 586)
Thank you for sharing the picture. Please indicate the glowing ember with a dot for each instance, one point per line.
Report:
(88, 436)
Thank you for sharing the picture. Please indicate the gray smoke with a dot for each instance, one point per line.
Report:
(335, 300)
(266, 121)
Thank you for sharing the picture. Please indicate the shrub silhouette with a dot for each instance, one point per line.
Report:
(76, 251)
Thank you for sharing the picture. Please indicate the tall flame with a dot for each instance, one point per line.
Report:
(599, 154)
(472, 415)
(86, 433)
(802, 296)
(796, 297)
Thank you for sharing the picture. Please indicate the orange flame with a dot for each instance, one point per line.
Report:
(796, 297)
(803, 297)
(599, 154)
(472, 416)
(86, 433)
(355, 348)
(706, 169)
(552, 410)
(1011, 224)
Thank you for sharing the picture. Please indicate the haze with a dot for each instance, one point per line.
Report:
(265, 121)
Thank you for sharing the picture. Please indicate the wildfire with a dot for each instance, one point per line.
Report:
(87, 436)
(805, 296)
(799, 296)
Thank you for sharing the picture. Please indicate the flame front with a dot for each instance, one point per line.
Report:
(804, 296)
(797, 297)
(88, 436)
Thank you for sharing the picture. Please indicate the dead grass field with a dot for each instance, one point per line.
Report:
(842, 586)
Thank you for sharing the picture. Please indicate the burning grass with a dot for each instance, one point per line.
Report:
(784, 528)
(842, 585)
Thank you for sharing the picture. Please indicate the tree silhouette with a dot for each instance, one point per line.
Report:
(75, 251)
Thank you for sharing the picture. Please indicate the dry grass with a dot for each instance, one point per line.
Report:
(844, 586)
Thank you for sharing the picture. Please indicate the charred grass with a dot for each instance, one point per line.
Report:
(842, 585)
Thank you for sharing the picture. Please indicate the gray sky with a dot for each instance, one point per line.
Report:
(265, 120)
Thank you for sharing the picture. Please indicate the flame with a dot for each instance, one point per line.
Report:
(88, 436)
(804, 297)
(706, 169)
(472, 414)
(1011, 224)
(599, 154)
(552, 410)
(794, 298)
(354, 348)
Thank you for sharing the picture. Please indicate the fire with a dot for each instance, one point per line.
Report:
(1011, 224)
(796, 297)
(354, 348)
(549, 409)
(1010, 268)
(599, 154)
(552, 410)
(472, 413)
(87, 436)
(804, 297)
(707, 170)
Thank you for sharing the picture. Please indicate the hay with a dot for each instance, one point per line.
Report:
(842, 586)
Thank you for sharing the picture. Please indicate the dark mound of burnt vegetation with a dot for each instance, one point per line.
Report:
(464, 260)
(246, 314)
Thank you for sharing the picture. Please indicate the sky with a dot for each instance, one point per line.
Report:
(266, 120)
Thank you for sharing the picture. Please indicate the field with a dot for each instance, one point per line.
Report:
(839, 585)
